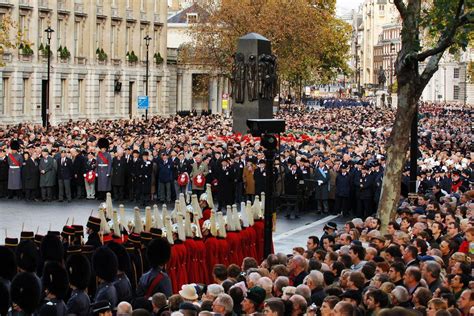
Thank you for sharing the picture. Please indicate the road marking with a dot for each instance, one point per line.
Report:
(300, 229)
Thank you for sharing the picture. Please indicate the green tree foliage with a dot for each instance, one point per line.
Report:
(307, 38)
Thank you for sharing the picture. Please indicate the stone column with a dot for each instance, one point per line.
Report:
(213, 91)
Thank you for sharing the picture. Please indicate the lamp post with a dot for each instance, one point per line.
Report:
(45, 107)
(392, 51)
(147, 43)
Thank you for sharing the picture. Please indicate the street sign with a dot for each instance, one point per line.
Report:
(143, 103)
(225, 101)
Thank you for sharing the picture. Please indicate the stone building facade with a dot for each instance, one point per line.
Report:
(92, 73)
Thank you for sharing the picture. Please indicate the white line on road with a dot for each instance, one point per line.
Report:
(300, 229)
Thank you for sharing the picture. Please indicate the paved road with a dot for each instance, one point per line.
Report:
(39, 216)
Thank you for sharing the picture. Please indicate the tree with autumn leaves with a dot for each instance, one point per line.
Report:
(310, 42)
(8, 39)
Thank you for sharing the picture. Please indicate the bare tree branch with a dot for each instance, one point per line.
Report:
(447, 38)
(401, 7)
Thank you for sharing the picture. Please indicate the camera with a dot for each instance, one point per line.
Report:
(257, 127)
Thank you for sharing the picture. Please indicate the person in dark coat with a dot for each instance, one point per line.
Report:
(104, 168)
(226, 185)
(78, 170)
(366, 184)
(238, 167)
(93, 227)
(79, 270)
(30, 174)
(181, 165)
(260, 175)
(15, 162)
(134, 171)
(378, 180)
(105, 264)
(119, 168)
(48, 169)
(145, 175)
(292, 179)
(322, 178)
(165, 178)
(3, 174)
(343, 190)
(65, 174)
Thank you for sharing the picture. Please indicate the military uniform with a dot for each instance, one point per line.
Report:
(106, 292)
(104, 172)
(123, 288)
(15, 161)
(4, 171)
(78, 304)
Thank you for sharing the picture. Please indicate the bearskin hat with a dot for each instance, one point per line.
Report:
(7, 263)
(15, 145)
(122, 256)
(79, 270)
(27, 256)
(105, 263)
(103, 143)
(51, 248)
(25, 291)
(158, 252)
(55, 279)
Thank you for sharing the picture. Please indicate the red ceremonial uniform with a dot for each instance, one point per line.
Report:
(177, 269)
(253, 242)
(223, 251)
(245, 242)
(191, 261)
(200, 249)
(212, 258)
(235, 248)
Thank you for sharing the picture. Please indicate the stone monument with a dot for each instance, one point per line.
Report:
(254, 81)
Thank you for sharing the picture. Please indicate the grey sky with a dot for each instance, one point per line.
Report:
(345, 6)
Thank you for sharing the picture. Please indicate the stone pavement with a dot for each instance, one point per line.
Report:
(39, 216)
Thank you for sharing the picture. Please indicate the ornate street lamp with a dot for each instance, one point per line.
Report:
(45, 107)
(147, 43)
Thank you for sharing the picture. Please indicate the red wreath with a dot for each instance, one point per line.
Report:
(199, 181)
(183, 179)
(90, 176)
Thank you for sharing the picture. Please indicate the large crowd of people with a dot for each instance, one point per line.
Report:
(205, 256)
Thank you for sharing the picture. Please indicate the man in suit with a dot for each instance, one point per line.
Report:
(119, 165)
(78, 170)
(65, 173)
(181, 165)
(292, 179)
(343, 190)
(165, 178)
(134, 169)
(322, 178)
(260, 176)
(366, 184)
(226, 187)
(146, 174)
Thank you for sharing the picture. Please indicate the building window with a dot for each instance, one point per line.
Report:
(23, 26)
(78, 39)
(129, 4)
(5, 95)
(192, 18)
(80, 94)
(156, 8)
(41, 28)
(456, 93)
(63, 94)
(101, 90)
(156, 40)
(25, 96)
(127, 39)
(114, 42)
(456, 73)
(143, 5)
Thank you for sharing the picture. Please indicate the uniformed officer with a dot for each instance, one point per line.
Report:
(55, 285)
(79, 271)
(15, 161)
(104, 168)
(105, 265)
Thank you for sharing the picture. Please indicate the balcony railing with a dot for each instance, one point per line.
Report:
(100, 11)
(143, 16)
(156, 18)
